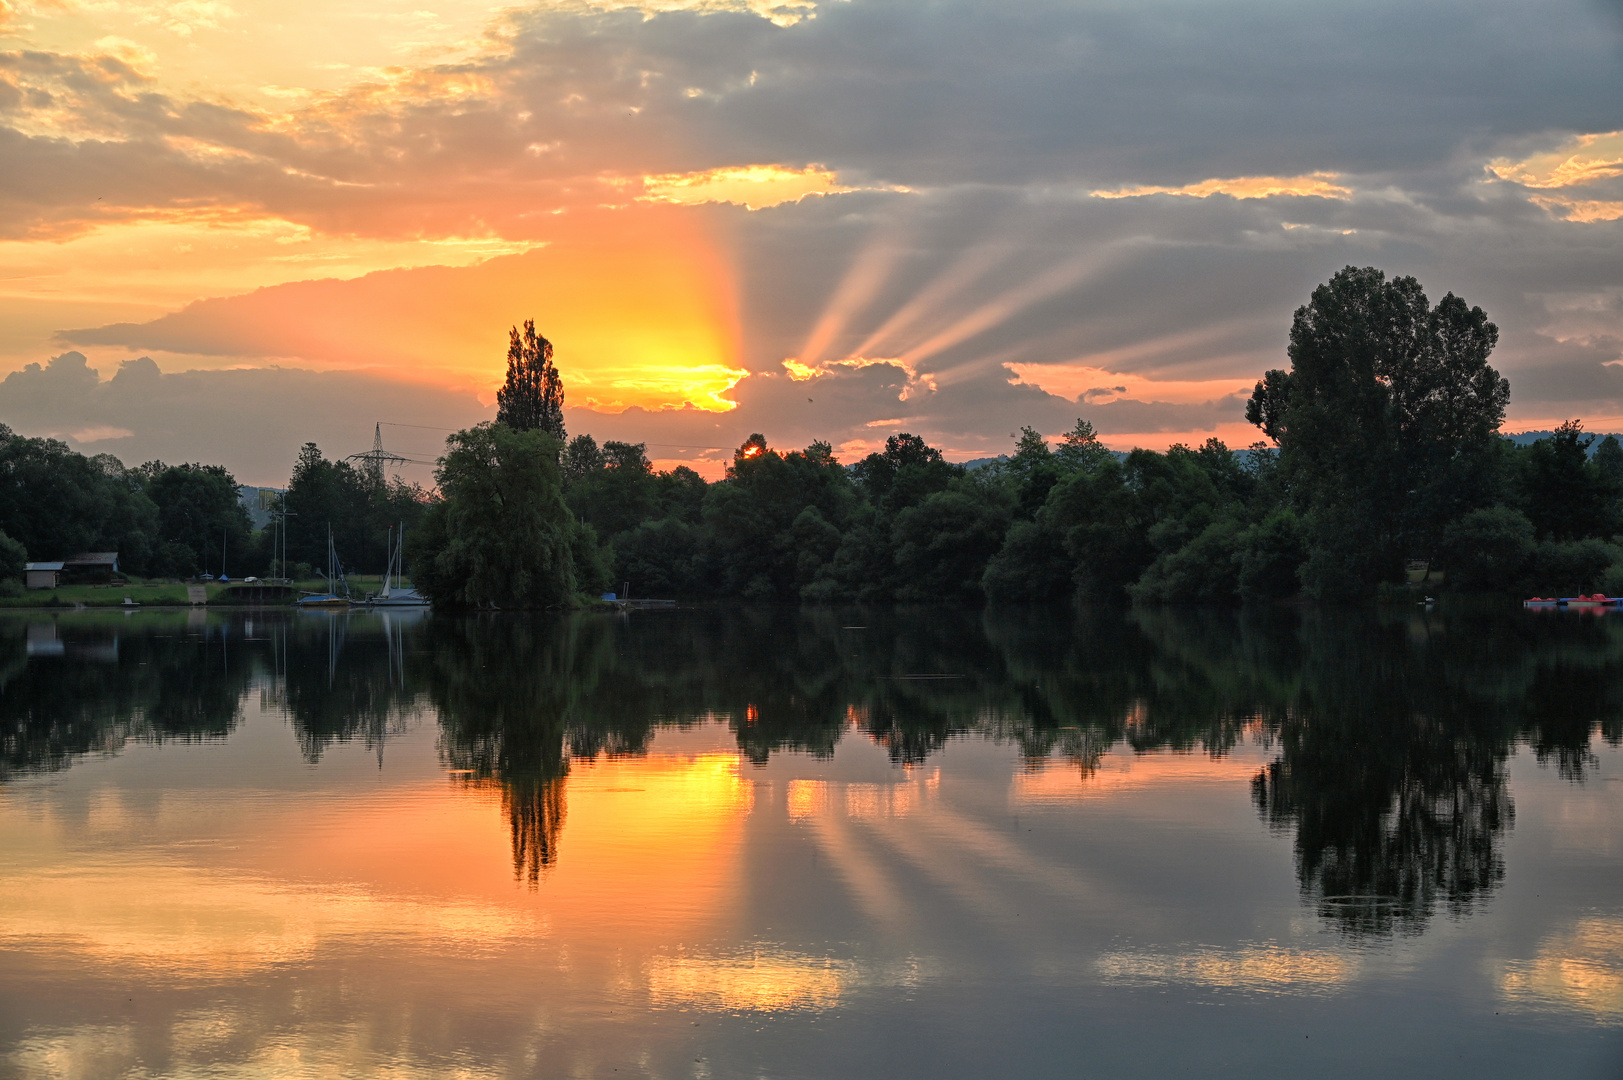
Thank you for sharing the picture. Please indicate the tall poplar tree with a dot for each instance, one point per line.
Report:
(532, 399)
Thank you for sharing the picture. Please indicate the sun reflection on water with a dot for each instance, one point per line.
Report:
(763, 980)
(1580, 969)
(1266, 968)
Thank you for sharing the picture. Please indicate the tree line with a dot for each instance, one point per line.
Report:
(163, 520)
(178, 521)
(1382, 449)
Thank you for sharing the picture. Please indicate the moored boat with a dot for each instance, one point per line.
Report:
(335, 578)
(322, 600)
(393, 594)
(1590, 600)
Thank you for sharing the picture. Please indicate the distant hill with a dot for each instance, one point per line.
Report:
(1527, 438)
(981, 462)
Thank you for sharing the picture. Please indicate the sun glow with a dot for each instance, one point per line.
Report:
(1087, 384)
(640, 304)
(758, 981)
(867, 274)
(431, 866)
(755, 187)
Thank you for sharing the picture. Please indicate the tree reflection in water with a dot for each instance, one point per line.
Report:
(76, 685)
(1390, 730)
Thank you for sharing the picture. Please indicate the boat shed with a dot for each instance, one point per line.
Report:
(91, 567)
(42, 575)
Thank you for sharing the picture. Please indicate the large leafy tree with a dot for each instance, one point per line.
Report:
(198, 508)
(358, 504)
(532, 399)
(55, 502)
(777, 518)
(1385, 423)
(1565, 493)
(501, 534)
(323, 494)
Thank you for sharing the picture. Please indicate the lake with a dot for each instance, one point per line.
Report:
(778, 842)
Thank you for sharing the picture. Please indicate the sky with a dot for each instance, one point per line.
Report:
(228, 227)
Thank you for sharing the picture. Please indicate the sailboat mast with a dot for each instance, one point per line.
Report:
(388, 569)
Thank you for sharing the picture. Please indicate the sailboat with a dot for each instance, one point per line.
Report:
(394, 594)
(335, 573)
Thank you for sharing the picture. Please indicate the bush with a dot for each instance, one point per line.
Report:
(12, 558)
(1488, 548)
(1031, 565)
(1205, 570)
(1271, 557)
(658, 558)
(1571, 567)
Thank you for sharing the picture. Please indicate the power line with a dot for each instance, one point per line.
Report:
(672, 445)
(376, 458)
(689, 446)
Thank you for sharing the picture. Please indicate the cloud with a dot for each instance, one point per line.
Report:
(1586, 211)
(566, 103)
(1315, 185)
(100, 433)
(1584, 159)
(751, 186)
(252, 421)
(981, 171)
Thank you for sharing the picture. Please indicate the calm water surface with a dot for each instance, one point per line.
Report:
(823, 843)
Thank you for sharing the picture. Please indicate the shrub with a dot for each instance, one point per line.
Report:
(1271, 557)
(1571, 567)
(1488, 548)
(12, 558)
(1031, 565)
(1205, 570)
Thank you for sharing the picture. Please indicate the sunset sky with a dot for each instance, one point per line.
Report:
(228, 227)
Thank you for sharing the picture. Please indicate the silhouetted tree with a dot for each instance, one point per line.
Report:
(197, 508)
(532, 398)
(1384, 423)
(501, 533)
(1566, 494)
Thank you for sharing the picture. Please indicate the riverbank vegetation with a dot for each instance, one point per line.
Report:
(1382, 461)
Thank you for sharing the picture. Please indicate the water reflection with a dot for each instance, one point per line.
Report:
(77, 685)
(1580, 968)
(1388, 734)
